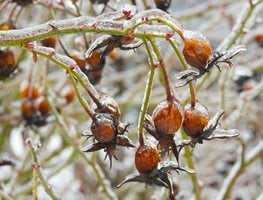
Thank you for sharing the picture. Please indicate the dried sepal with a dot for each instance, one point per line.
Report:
(94, 147)
(184, 77)
(123, 140)
(160, 176)
(211, 131)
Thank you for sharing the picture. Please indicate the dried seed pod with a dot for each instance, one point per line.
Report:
(7, 63)
(195, 119)
(49, 42)
(23, 2)
(197, 49)
(162, 4)
(108, 105)
(168, 117)
(42, 106)
(146, 159)
(103, 128)
(27, 91)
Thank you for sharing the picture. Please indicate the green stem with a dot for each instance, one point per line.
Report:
(147, 94)
(42, 179)
(168, 89)
(98, 173)
(191, 165)
(67, 65)
(5, 196)
(35, 175)
(81, 99)
(186, 67)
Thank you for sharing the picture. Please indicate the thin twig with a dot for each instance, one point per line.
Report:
(191, 165)
(147, 93)
(50, 191)
(238, 169)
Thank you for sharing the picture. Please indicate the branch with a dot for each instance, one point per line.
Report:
(109, 23)
(37, 169)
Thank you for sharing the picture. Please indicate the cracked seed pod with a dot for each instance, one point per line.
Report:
(195, 119)
(103, 128)
(197, 49)
(146, 159)
(168, 117)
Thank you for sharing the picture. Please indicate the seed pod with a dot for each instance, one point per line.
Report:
(7, 63)
(259, 39)
(28, 109)
(168, 117)
(42, 106)
(146, 159)
(69, 96)
(195, 119)
(23, 2)
(27, 91)
(103, 128)
(49, 42)
(197, 49)
(108, 105)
